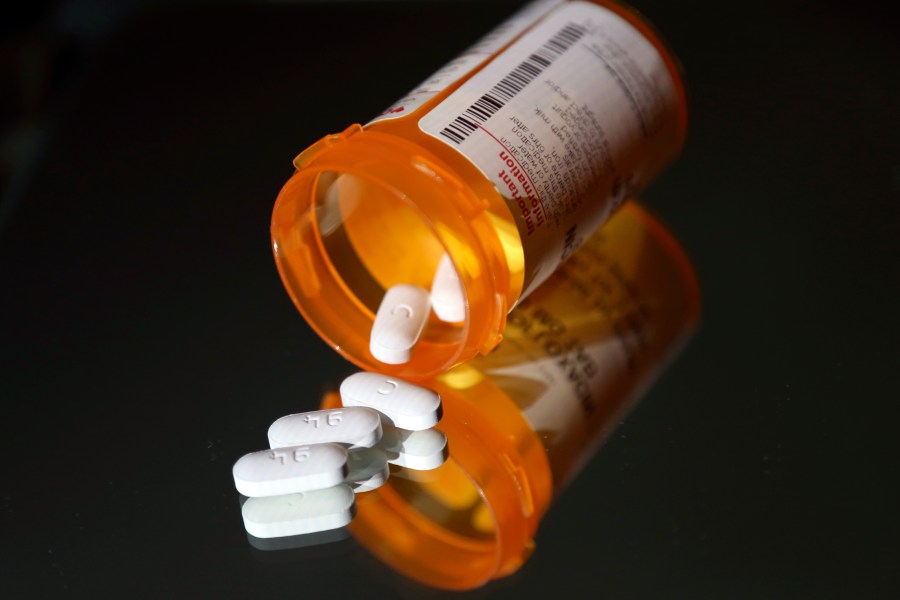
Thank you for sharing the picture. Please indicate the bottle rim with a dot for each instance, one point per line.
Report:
(443, 203)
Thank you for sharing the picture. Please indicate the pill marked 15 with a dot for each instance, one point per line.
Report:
(353, 427)
(299, 455)
(290, 470)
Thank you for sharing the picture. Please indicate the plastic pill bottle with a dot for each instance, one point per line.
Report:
(505, 160)
(520, 422)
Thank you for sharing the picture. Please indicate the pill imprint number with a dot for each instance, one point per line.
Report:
(404, 309)
(299, 455)
(388, 387)
(333, 419)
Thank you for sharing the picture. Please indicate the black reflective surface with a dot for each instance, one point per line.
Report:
(147, 342)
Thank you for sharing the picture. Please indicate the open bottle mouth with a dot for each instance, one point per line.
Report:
(346, 230)
(367, 211)
(373, 237)
(342, 240)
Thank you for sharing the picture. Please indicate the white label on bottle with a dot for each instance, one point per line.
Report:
(563, 123)
(581, 350)
(468, 60)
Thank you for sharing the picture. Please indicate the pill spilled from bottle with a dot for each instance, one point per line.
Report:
(404, 311)
(319, 460)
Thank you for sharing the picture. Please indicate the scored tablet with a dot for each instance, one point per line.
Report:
(405, 405)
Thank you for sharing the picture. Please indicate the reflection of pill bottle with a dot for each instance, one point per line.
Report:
(522, 420)
(506, 160)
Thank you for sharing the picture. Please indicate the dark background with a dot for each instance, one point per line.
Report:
(147, 341)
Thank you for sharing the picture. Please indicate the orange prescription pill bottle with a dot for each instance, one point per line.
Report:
(521, 421)
(505, 161)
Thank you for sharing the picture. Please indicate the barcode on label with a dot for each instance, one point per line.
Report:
(504, 90)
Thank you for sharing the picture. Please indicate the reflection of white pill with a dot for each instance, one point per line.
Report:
(418, 450)
(289, 470)
(413, 475)
(354, 426)
(292, 542)
(447, 297)
(295, 514)
(399, 323)
(407, 405)
(368, 469)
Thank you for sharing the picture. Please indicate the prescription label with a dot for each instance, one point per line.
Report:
(468, 60)
(565, 123)
(576, 354)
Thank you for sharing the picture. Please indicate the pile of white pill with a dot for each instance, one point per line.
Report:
(319, 460)
(404, 310)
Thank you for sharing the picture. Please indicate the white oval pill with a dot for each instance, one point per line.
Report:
(295, 514)
(406, 405)
(289, 470)
(448, 301)
(368, 469)
(354, 427)
(399, 322)
(418, 450)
